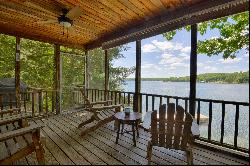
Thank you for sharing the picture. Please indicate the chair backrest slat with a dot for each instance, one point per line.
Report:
(178, 126)
(173, 131)
(170, 124)
(154, 129)
(187, 130)
(162, 124)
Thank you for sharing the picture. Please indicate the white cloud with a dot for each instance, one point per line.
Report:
(200, 64)
(179, 65)
(210, 69)
(163, 46)
(148, 48)
(186, 49)
(230, 61)
(169, 59)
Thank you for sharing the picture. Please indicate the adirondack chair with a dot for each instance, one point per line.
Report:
(173, 132)
(17, 138)
(100, 114)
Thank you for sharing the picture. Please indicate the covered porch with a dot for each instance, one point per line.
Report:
(108, 25)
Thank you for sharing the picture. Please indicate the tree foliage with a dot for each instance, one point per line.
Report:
(38, 69)
(234, 35)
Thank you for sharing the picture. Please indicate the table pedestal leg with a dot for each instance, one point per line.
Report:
(137, 129)
(133, 129)
(118, 131)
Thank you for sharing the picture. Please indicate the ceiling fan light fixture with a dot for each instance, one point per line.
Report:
(65, 22)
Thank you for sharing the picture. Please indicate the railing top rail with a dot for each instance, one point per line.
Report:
(183, 98)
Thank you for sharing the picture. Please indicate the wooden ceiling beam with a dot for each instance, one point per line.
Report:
(203, 11)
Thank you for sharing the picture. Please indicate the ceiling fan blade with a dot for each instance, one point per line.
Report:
(74, 13)
(47, 22)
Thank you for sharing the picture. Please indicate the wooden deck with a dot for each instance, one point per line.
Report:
(64, 145)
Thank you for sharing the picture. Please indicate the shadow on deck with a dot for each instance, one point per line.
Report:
(64, 145)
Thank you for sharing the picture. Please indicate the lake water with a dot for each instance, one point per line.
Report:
(228, 92)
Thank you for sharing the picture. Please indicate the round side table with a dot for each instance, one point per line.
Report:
(132, 119)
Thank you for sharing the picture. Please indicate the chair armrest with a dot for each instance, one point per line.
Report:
(106, 107)
(10, 111)
(100, 102)
(14, 118)
(19, 132)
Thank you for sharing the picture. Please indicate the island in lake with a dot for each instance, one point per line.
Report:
(234, 78)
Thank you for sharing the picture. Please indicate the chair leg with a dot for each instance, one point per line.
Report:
(39, 149)
(149, 152)
(86, 122)
(189, 157)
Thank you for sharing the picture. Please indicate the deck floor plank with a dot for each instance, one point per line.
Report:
(89, 146)
(64, 145)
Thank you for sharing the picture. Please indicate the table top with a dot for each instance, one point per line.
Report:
(133, 116)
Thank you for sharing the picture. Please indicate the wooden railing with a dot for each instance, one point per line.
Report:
(212, 115)
(207, 112)
(38, 102)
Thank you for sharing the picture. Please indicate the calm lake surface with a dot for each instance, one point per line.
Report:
(228, 92)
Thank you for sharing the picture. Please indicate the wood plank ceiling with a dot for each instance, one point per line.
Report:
(99, 19)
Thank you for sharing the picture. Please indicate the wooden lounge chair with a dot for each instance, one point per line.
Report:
(100, 114)
(18, 139)
(173, 132)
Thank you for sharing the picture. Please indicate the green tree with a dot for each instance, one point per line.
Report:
(234, 35)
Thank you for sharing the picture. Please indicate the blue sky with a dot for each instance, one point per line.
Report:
(162, 58)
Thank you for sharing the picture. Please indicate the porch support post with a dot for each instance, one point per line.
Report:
(193, 70)
(106, 75)
(57, 80)
(17, 73)
(86, 72)
(137, 99)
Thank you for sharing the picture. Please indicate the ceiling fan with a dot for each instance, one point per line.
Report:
(67, 17)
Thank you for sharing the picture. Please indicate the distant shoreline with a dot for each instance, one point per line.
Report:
(218, 78)
(188, 82)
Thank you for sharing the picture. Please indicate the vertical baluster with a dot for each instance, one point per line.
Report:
(210, 120)
(237, 115)
(92, 95)
(53, 101)
(146, 103)
(198, 112)
(120, 96)
(87, 95)
(1, 102)
(112, 97)
(98, 93)
(46, 100)
(40, 105)
(129, 99)
(153, 103)
(140, 103)
(24, 101)
(10, 100)
(222, 124)
(115, 98)
(186, 105)
(160, 101)
(167, 100)
(95, 95)
(124, 98)
(33, 104)
(176, 102)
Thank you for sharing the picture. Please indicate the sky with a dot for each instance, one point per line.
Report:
(162, 58)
